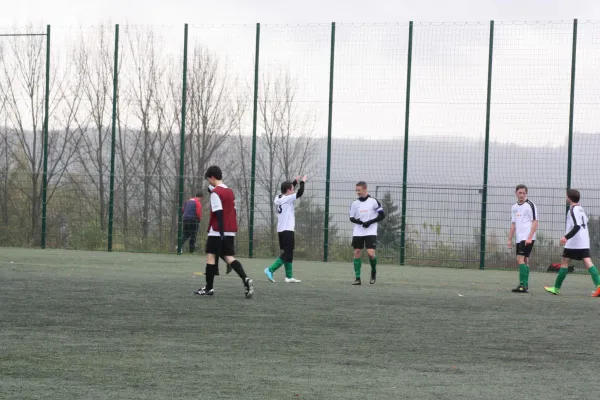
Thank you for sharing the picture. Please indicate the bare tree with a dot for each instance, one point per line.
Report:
(23, 70)
(296, 128)
(145, 89)
(286, 143)
(210, 110)
(94, 63)
(241, 148)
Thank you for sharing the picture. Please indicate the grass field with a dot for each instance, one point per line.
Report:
(95, 325)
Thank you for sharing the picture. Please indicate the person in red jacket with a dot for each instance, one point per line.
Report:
(222, 228)
(192, 215)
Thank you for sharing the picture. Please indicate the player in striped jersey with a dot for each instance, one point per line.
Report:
(577, 244)
(365, 212)
(524, 224)
(286, 223)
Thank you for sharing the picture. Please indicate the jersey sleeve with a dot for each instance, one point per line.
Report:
(377, 206)
(279, 200)
(215, 202)
(534, 212)
(579, 216)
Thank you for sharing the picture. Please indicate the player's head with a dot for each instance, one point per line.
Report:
(213, 174)
(199, 194)
(287, 187)
(361, 189)
(573, 196)
(521, 193)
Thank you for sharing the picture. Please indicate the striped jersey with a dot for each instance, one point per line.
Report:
(523, 216)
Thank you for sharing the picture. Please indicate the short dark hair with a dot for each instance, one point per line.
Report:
(573, 195)
(362, 184)
(199, 194)
(285, 186)
(214, 172)
(521, 186)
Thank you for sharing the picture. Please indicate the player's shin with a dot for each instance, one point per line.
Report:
(357, 267)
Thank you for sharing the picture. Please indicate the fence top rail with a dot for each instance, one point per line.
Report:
(320, 24)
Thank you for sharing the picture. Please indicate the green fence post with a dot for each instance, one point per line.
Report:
(182, 142)
(253, 166)
(572, 105)
(405, 164)
(328, 172)
(111, 200)
(45, 141)
(482, 239)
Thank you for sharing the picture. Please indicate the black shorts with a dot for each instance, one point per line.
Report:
(286, 240)
(214, 246)
(576, 254)
(524, 249)
(360, 242)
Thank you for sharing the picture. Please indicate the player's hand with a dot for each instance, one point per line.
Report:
(366, 224)
(528, 241)
(509, 244)
(304, 178)
(563, 240)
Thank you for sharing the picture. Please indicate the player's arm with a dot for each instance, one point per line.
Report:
(379, 217)
(217, 207)
(300, 191)
(353, 214)
(511, 233)
(534, 224)
(574, 230)
(513, 226)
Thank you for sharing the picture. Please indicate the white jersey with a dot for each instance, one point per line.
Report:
(577, 217)
(286, 220)
(523, 216)
(365, 210)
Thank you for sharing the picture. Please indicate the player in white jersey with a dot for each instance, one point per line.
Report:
(577, 244)
(365, 212)
(524, 224)
(286, 224)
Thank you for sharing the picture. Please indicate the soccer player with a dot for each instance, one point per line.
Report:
(524, 223)
(577, 244)
(365, 212)
(221, 233)
(192, 215)
(286, 223)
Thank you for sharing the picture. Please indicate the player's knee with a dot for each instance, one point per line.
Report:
(288, 255)
(371, 253)
(357, 253)
(211, 269)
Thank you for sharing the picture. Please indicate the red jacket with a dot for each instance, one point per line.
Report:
(192, 209)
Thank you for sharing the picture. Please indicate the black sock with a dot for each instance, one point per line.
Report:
(210, 276)
(237, 267)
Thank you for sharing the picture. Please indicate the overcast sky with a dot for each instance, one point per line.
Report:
(287, 11)
(531, 78)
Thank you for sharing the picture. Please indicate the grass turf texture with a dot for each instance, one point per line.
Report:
(92, 325)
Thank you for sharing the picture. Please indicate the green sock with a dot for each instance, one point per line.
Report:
(288, 270)
(373, 262)
(562, 274)
(275, 266)
(594, 273)
(526, 276)
(357, 265)
(522, 273)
